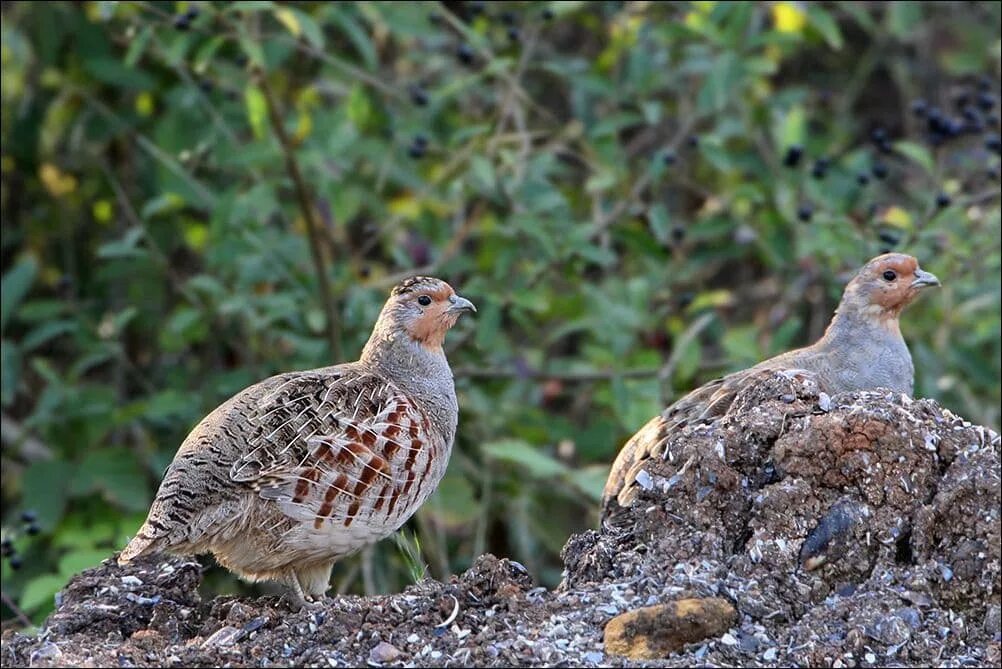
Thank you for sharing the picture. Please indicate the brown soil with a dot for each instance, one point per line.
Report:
(864, 533)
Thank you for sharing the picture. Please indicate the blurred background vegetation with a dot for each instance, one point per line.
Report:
(639, 196)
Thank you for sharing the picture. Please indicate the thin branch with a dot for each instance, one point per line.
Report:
(25, 620)
(308, 212)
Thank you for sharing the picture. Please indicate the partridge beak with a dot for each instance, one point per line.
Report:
(923, 279)
(462, 304)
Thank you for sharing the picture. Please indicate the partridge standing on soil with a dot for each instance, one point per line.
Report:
(303, 468)
(861, 349)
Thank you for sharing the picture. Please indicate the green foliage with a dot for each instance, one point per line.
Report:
(610, 189)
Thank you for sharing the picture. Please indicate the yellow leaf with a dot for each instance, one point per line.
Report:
(897, 217)
(289, 20)
(144, 104)
(405, 206)
(789, 17)
(303, 127)
(55, 181)
(103, 211)
(196, 235)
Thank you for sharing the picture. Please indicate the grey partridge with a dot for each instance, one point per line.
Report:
(303, 468)
(861, 349)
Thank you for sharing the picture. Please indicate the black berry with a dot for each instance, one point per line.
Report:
(508, 18)
(181, 22)
(418, 96)
(943, 200)
(879, 170)
(33, 529)
(677, 233)
(986, 101)
(7, 548)
(420, 141)
(920, 108)
(14, 562)
(878, 135)
(205, 85)
(889, 238)
(547, 14)
(685, 299)
(993, 143)
(793, 155)
(192, 13)
(820, 168)
(28, 516)
(668, 158)
(805, 212)
(692, 141)
(513, 34)
(464, 52)
(862, 178)
(435, 19)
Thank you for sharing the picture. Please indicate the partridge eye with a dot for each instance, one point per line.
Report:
(889, 275)
(424, 300)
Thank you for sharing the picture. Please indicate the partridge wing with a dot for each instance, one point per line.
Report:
(331, 447)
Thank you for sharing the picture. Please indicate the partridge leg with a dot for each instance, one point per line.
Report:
(295, 595)
(315, 580)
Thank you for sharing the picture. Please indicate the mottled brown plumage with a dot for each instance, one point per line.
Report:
(861, 349)
(306, 467)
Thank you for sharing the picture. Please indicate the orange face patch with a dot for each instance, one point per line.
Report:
(429, 327)
(887, 283)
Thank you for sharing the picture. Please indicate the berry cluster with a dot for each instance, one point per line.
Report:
(183, 21)
(30, 526)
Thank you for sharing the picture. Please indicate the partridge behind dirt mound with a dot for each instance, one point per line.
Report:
(304, 468)
(861, 349)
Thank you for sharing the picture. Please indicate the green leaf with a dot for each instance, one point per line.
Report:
(252, 50)
(793, 128)
(537, 463)
(126, 247)
(41, 591)
(257, 110)
(917, 153)
(76, 561)
(115, 473)
(45, 332)
(826, 25)
(112, 72)
(40, 495)
(721, 84)
(657, 218)
(304, 25)
(903, 17)
(14, 286)
(137, 47)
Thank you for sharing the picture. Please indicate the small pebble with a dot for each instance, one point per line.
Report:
(384, 652)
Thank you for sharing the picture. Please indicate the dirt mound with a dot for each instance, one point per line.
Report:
(861, 529)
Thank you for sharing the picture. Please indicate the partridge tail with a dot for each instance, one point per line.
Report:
(144, 543)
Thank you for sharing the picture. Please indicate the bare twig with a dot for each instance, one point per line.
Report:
(15, 610)
(690, 333)
(308, 212)
(17, 436)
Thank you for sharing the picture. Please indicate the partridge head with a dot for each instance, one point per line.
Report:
(862, 348)
(303, 468)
